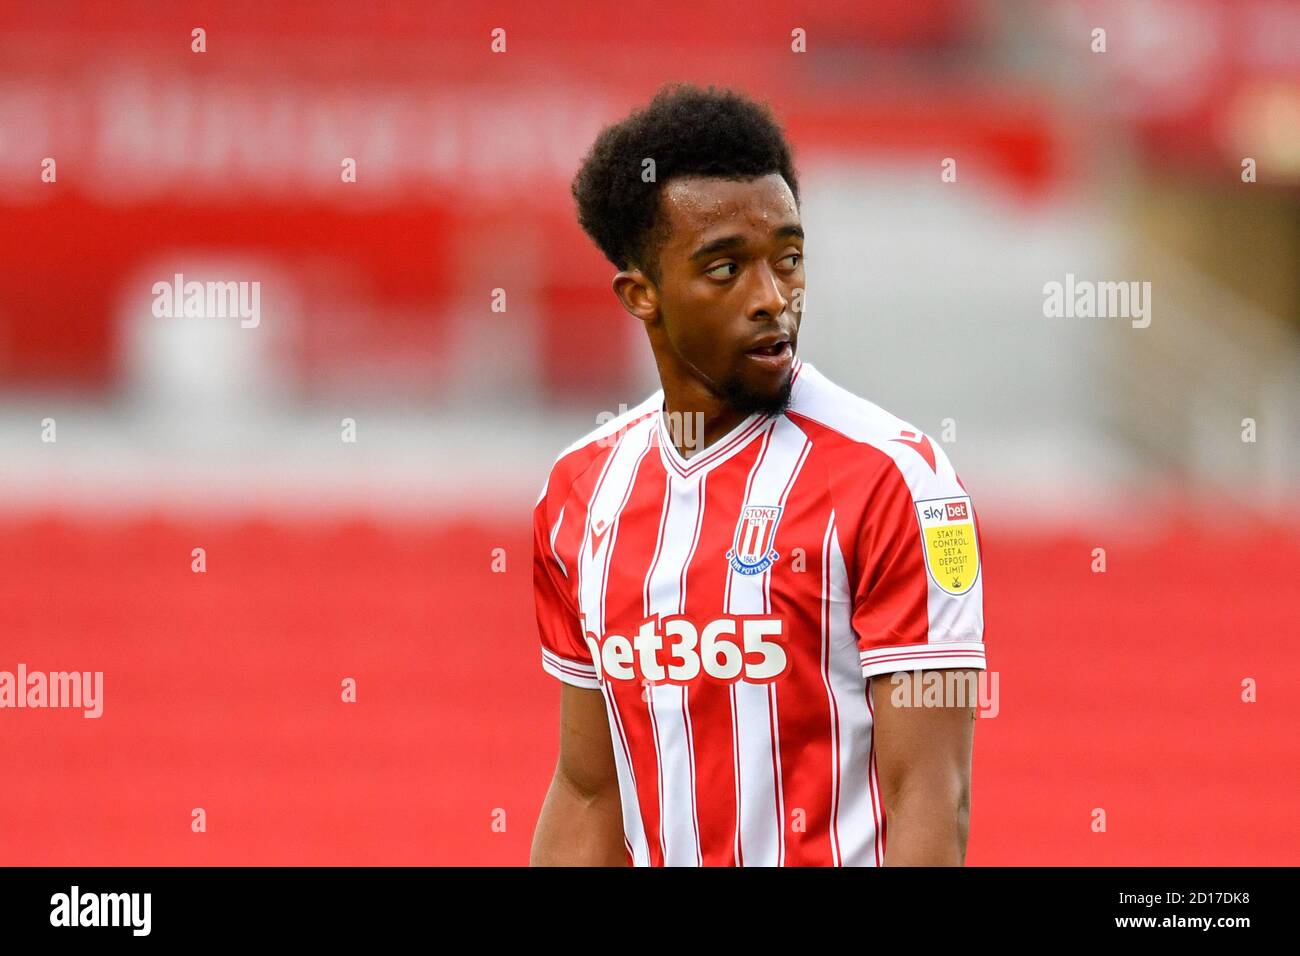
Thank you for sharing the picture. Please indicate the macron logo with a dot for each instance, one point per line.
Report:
(922, 446)
(598, 532)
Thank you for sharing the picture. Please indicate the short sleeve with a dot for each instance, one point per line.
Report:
(564, 650)
(916, 583)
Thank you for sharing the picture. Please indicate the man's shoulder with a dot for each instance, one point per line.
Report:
(581, 454)
(861, 435)
(843, 413)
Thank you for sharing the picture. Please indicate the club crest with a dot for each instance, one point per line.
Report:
(751, 551)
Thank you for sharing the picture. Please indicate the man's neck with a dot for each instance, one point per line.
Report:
(693, 428)
(693, 413)
(694, 416)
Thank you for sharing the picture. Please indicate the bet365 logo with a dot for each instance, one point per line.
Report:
(672, 650)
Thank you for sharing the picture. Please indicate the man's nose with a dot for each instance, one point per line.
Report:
(768, 302)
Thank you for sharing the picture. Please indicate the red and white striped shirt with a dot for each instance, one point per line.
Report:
(731, 607)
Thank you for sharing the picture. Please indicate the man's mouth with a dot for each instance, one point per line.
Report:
(772, 352)
(770, 345)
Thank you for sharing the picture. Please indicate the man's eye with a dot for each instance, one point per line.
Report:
(717, 274)
(797, 257)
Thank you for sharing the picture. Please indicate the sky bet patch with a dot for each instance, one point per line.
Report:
(951, 551)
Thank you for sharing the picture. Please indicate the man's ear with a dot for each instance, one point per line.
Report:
(638, 294)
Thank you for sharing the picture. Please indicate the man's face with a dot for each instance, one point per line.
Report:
(729, 271)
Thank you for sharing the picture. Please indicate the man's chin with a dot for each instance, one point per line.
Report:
(749, 399)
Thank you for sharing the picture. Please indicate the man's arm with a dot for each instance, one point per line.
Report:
(581, 823)
(923, 757)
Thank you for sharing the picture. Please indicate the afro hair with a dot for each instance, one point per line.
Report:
(687, 131)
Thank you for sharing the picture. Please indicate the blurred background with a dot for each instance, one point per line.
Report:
(360, 467)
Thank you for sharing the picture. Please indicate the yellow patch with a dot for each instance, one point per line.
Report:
(951, 551)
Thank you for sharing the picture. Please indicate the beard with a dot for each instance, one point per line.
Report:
(741, 397)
